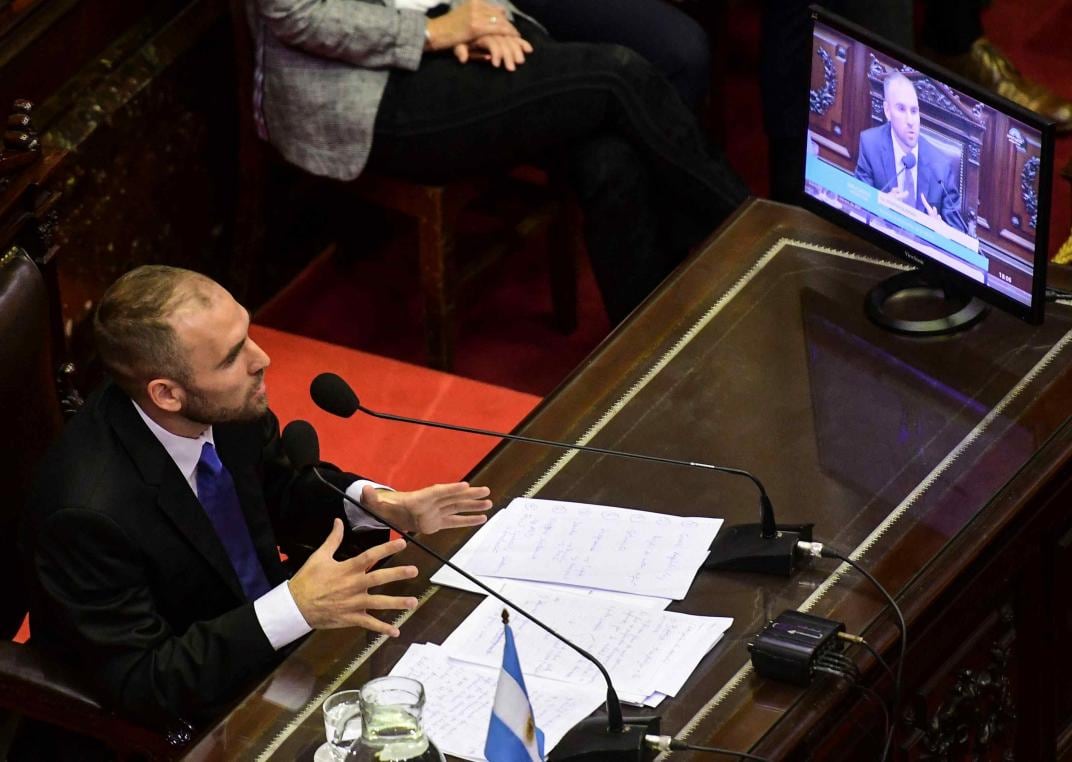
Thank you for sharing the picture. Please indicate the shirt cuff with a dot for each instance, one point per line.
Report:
(358, 518)
(279, 617)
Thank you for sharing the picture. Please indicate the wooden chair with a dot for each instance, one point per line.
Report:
(434, 208)
(34, 682)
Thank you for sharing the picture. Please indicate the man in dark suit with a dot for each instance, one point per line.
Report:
(152, 534)
(895, 159)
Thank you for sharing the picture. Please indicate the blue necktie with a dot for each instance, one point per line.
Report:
(216, 491)
(910, 188)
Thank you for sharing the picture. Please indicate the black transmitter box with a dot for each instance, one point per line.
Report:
(787, 648)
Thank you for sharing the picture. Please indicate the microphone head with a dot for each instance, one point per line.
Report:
(333, 395)
(301, 444)
(909, 160)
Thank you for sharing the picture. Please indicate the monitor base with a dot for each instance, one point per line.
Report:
(957, 311)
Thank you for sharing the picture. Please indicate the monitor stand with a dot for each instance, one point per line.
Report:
(911, 303)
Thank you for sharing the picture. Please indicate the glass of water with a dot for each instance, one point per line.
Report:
(342, 722)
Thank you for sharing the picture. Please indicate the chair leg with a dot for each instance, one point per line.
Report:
(437, 283)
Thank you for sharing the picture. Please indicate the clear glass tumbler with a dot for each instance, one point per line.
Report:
(342, 722)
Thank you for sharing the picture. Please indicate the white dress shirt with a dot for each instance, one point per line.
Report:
(276, 610)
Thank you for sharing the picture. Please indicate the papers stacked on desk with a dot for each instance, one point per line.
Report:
(649, 654)
(592, 549)
(601, 577)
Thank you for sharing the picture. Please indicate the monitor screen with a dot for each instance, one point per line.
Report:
(928, 166)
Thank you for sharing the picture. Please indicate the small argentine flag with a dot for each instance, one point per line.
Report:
(512, 734)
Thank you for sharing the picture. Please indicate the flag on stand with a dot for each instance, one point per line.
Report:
(512, 734)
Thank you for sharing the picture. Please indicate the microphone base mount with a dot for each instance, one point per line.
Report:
(742, 547)
(592, 741)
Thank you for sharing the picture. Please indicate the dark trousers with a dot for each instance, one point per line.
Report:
(669, 38)
(648, 183)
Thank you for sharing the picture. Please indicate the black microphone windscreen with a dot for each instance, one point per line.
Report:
(301, 444)
(333, 395)
(909, 160)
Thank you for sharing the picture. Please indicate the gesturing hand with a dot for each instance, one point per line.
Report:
(441, 506)
(497, 49)
(928, 208)
(467, 22)
(332, 594)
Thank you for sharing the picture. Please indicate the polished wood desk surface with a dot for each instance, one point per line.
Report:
(756, 354)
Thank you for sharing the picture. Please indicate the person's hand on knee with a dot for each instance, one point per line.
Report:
(468, 22)
(499, 50)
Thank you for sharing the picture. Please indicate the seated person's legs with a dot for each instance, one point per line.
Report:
(447, 119)
(667, 37)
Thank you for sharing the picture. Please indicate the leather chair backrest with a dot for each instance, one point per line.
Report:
(29, 411)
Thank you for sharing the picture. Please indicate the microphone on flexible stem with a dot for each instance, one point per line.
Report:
(766, 547)
(907, 162)
(593, 740)
(954, 213)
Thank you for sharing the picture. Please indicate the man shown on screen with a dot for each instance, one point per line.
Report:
(893, 158)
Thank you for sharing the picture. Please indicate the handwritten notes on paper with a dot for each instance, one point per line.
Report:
(593, 546)
(645, 651)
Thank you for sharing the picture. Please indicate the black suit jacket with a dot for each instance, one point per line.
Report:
(129, 575)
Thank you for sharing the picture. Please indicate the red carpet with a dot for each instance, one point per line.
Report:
(404, 456)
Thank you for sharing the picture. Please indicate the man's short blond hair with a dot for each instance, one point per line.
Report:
(135, 339)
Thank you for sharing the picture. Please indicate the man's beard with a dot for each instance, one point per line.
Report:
(203, 410)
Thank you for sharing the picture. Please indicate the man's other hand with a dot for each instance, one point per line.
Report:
(928, 208)
(332, 594)
(441, 506)
(899, 194)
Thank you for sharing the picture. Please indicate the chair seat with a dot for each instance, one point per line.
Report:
(436, 210)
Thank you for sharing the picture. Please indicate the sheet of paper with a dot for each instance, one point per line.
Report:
(644, 651)
(450, 578)
(594, 546)
(459, 697)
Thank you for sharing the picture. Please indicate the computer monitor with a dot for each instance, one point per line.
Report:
(936, 170)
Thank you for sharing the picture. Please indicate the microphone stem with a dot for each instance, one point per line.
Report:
(563, 446)
(614, 707)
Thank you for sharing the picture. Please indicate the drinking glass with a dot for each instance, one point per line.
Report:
(342, 722)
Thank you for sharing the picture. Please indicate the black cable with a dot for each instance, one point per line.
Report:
(876, 698)
(677, 745)
(868, 692)
(828, 552)
(849, 672)
(1053, 294)
(878, 657)
(845, 662)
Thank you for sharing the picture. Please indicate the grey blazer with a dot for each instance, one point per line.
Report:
(321, 69)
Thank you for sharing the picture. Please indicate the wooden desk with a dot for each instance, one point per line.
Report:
(946, 459)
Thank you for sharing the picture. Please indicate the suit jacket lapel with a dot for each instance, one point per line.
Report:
(886, 152)
(174, 496)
